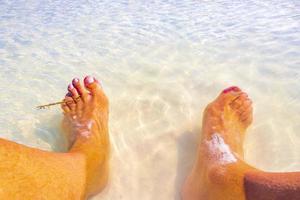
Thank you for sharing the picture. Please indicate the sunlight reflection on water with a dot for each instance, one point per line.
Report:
(160, 64)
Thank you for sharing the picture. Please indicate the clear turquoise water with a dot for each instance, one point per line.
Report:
(160, 63)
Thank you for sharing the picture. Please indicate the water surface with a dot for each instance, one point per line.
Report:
(160, 63)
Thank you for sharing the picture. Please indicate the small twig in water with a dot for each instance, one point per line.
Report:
(56, 103)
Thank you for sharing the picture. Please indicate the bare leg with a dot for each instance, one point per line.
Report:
(219, 172)
(87, 122)
(29, 173)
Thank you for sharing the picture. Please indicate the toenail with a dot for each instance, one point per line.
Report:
(89, 79)
(236, 89)
(69, 94)
(233, 88)
(75, 80)
(70, 87)
(98, 82)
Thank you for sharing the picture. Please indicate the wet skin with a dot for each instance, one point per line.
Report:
(220, 173)
(29, 173)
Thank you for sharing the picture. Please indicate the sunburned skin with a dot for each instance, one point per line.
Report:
(220, 173)
(29, 173)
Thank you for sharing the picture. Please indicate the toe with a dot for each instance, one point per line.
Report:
(80, 89)
(65, 107)
(69, 103)
(92, 85)
(247, 116)
(239, 101)
(246, 109)
(73, 91)
(229, 94)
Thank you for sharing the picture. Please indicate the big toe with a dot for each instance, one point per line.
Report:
(92, 85)
(228, 95)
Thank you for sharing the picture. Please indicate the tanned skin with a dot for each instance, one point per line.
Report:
(30, 173)
(220, 173)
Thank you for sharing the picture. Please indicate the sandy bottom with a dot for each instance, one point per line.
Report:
(160, 64)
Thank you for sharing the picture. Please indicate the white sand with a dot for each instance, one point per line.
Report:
(160, 64)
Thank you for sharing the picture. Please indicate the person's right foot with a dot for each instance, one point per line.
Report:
(224, 124)
(229, 115)
(86, 124)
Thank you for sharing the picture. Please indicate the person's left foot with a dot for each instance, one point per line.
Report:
(84, 106)
(86, 125)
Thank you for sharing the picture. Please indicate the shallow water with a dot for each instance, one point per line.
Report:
(160, 63)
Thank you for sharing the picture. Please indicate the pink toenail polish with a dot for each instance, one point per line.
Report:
(236, 89)
(227, 90)
(70, 87)
(75, 80)
(89, 79)
(233, 88)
